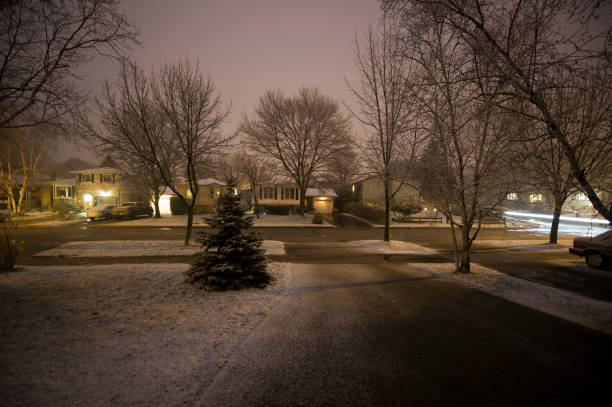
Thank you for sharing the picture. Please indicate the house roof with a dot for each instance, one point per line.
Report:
(209, 181)
(62, 181)
(320, 192)
(100, 170)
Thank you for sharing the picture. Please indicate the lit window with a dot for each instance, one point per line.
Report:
(513, 196)
(535, 198)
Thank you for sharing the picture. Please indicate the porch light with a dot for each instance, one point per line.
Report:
(88, 198)
(353, 187)
(104, 193)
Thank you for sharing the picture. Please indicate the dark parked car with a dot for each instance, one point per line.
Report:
(132, 209)
(597, 251)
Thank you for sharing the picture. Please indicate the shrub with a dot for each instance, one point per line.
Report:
(231, 259)
(280, 209)
(371, 213)
(402, 213)
(177, 207)
(62, 209)
(317, 219)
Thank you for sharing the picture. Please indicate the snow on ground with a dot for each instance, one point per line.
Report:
(134, 248)
(393, 247)
(572, 307)
(274, 247)
(562, 244)
(56, 222)
(120, 334)
(199, 220)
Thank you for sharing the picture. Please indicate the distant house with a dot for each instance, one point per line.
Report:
(278, 193)
(209, 190)
(371, 192)
(58, 190)
(97, 186)
(282, 196)
(321, 200)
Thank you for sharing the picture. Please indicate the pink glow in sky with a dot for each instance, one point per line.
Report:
(249, 46)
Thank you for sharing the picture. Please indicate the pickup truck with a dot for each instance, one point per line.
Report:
(132, 210)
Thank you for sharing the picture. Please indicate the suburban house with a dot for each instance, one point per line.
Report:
(209, 191)
(58, 190)
(278, 193)
(283, 197)
(97, 186)
(371, 192)
(41, 193)
(321, 200)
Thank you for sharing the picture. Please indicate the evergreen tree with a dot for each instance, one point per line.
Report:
(231, 259)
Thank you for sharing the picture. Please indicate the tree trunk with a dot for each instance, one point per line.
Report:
(256, 201)
(387, 236)
(156, 203)
(189, 225)
(554, 227)
(302, 201)
(466, 252)
(466, 247)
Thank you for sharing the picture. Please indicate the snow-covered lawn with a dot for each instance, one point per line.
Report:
(572, 307)
(525, 242)
(198, 220)
(120, 334)
(56, 222)
(393, 247)
(134, 248)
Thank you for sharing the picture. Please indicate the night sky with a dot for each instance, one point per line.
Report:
(247, 46)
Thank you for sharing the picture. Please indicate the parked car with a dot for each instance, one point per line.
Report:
(597, 251)
(100, 211)
(132, 209)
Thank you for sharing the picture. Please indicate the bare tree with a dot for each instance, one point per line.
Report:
(301, 133)
(145, 177)
(464, 161)
(387, 109)
(170, 121)
(42, 45)
(583, 106)
(255, 169)
(527, 42)
(20, 154)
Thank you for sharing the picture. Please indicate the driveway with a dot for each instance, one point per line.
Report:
(383, 334)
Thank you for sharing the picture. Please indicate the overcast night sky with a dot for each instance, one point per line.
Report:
(247, 46)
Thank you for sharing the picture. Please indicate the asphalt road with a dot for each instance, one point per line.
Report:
(556, 268)
(381, 334)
